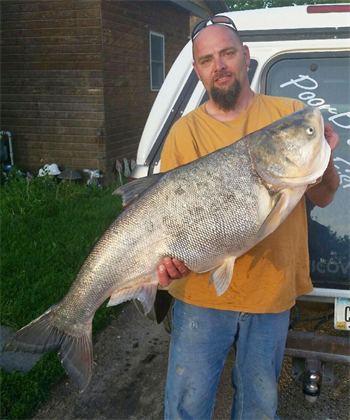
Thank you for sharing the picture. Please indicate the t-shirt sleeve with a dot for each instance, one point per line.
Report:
(299, 105)
(292, 104)
(179, 148)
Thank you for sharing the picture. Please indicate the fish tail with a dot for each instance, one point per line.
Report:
(75, 352)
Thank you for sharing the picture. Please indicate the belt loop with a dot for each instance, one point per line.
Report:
(243, 316)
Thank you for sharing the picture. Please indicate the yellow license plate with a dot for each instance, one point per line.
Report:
(342, 314)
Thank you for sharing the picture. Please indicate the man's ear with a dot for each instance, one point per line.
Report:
(246, 53)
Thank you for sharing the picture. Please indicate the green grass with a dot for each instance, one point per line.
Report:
(47, 230)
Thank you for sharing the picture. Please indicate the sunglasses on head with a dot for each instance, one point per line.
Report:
(221, 20)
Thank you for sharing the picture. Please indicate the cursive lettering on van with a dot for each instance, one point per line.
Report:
(307, 83)
(343, 115)
(344, 178)
(300, 82)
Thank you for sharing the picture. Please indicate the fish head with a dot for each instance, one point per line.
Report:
(292, 152)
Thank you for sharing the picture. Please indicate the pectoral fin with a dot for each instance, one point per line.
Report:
(274, 218)
(221, 276)
(283, 204)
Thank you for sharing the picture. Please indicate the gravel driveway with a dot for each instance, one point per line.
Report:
(129, 377)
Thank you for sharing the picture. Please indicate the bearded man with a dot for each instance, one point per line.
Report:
(253, 314)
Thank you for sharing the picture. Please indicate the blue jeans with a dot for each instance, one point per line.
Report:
(200, 342)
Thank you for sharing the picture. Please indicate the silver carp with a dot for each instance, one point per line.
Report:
(206, 214)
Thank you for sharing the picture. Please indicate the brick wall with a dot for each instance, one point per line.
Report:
(76, 78)
(52, 82)
(128, 96)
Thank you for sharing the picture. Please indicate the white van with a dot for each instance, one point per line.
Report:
(301, 52)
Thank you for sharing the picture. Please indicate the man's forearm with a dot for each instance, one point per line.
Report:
(323, 193)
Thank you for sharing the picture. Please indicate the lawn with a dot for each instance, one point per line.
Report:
(47, 230)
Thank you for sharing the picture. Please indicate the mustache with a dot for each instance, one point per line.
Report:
(222, 73)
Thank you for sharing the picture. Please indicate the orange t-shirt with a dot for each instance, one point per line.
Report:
(269, 277)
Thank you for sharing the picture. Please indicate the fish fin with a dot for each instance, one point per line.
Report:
(41, 335)
(76, 357)
(273, 219)
(145, 293)
(221, 276)
(148, 296)
(283, 203)
(133, 189)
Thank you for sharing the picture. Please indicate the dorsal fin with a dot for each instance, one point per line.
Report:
(130, 191)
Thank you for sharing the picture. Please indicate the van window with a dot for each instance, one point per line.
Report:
(156, 46)
(322, 80)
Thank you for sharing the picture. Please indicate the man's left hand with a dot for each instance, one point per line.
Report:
(331, 136)
(170, 270)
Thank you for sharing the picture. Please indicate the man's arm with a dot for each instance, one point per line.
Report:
(323, 193)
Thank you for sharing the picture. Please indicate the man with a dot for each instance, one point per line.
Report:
(253, 314)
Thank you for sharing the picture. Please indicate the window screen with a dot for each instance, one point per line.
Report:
(156, 60)
(323, 80)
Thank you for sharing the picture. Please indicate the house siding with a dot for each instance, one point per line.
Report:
(52, 82)
(128, 96)
(75, 77)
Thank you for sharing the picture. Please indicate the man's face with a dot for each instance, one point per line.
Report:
(221, 61)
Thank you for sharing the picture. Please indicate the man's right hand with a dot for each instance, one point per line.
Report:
(170, 270)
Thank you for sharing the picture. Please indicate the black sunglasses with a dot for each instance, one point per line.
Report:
(221, 20)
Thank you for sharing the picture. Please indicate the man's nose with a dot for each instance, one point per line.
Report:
(219, 64)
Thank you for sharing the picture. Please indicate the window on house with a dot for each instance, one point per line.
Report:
(156, 46)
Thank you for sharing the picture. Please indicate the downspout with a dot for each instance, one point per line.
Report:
(8, 134)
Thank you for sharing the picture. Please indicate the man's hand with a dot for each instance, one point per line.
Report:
(171, 269)
(323, 193)
(331, 136)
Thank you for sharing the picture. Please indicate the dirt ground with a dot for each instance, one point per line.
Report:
(129, 377)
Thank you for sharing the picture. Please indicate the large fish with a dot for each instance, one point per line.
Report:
(206, 214)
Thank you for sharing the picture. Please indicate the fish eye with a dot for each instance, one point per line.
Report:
(310, 130)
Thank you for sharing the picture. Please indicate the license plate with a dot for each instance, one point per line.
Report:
(342, 314)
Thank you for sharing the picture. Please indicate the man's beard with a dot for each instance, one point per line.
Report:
(226, 99)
